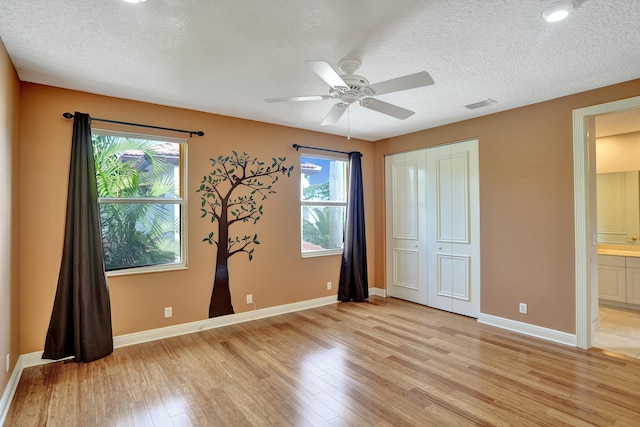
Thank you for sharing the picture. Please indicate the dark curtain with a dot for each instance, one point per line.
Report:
(354, 284)
(80, 323)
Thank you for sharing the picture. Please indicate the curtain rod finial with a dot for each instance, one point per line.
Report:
(67, 115)
(296, 146)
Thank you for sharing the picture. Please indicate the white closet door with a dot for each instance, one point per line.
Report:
(433, 227)
(453, 263)
(406, 226)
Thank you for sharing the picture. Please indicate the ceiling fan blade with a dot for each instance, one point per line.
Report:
(410, 81)
(327, 73)
(386, 108)
(335, 113)
(299, 98)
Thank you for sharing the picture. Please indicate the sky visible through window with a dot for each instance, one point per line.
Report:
(323, 175)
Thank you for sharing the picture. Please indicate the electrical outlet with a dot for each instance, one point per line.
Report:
(8, 362)
(329, 286)
(249, 298)
(168, 312)
(523, 308)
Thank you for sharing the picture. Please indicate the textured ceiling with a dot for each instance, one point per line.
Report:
(226, 57)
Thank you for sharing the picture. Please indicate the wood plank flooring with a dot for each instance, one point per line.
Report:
(382, 363)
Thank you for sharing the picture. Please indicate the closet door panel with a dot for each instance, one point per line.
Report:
(406, 242)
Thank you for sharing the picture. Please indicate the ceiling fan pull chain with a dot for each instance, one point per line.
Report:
(348, 124)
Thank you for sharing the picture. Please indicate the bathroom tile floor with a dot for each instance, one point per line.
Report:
(619, 331)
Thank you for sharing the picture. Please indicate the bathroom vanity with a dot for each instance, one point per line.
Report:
(619, 275)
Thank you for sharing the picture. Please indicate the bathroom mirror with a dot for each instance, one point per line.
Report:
(617, 146)
(618, 201)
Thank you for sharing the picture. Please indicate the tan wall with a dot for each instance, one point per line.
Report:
(526, 204)
(9, 283)
(277, 275)
(526, 210)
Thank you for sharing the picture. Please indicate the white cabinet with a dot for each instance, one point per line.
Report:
(612, 282)
(619, 279)
(633, 280)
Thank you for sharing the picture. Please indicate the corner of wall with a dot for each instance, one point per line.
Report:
(9, 217)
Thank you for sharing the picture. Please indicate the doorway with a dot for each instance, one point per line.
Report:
(618, 226)
(586, 247)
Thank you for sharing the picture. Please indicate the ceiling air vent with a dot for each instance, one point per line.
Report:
(480, 104)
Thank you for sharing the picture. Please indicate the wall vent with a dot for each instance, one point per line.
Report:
(480, 104)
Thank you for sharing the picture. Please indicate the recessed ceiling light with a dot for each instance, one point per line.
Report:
(559, 10)
(134, 1)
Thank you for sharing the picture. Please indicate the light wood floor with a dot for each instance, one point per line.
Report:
(383, 363)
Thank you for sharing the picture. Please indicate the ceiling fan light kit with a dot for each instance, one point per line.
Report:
(349, 66)
(349, 88)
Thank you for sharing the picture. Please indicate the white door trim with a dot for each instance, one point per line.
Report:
(585, 237)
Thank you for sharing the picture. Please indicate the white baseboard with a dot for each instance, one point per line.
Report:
(10, 390)
(217, 322)
(528, 329)
(378, 292)
(35, 358)
(512, 325)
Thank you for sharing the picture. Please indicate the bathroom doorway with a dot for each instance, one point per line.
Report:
(617, 141)
(589, 316)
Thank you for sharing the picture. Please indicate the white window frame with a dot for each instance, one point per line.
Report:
(181, 201)
(322, 203)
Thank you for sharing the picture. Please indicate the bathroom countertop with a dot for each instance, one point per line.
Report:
(619, 250)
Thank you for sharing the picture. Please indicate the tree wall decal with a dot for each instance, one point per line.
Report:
(231, 195)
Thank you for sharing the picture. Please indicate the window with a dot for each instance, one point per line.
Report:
(323, 205)
(140, 182)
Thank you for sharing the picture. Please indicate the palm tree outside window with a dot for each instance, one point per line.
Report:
(140, 181)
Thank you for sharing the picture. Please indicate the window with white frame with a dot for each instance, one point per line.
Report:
(141, 182)
(323, 204)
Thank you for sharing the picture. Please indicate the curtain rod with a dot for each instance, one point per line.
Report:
(190, 132)
(297, 146)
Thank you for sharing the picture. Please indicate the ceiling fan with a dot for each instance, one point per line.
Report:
(349, 88)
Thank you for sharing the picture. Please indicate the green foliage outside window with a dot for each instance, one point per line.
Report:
(316, 231)
(132, 174)
(316, 192)
(323, 203)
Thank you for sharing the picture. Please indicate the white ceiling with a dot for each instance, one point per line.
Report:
(226, 57)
